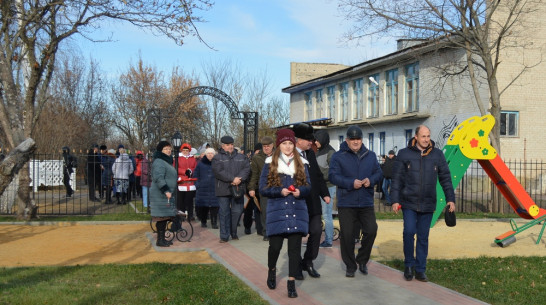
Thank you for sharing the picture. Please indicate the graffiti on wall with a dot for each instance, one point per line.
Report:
(444, 133)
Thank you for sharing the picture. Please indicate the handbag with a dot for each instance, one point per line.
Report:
(237, 191)
(450, 218)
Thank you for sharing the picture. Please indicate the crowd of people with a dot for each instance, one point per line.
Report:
(290, 184)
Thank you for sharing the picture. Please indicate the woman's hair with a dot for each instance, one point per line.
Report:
(273, 178)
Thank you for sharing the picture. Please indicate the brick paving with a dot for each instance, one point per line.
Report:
(247, 259)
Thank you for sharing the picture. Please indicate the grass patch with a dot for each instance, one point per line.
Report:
(155, 283)
(509, 280)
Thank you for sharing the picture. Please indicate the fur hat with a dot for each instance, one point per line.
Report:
(304, 131)
(162, 145)
(285, 134)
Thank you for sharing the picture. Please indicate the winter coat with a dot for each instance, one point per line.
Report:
(163, 180)
(145, 173)
(69, 163)
(226, 167)
(324, 154)
(107, 174)
(285, 215)
(186, 163)
(387, 167)
(415, 177)
(205, 196)
(318, 185)
(123, 167)
(256, 166)
(345, 167)
(138, 168)
(93, 166)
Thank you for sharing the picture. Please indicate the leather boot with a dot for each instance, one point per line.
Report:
(161, 242)
(291, 284)
(214, 221)
(123, 198)
(117, 199)
(272, 279)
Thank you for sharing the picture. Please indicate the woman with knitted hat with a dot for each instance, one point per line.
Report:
(161, 192)
(285, 182)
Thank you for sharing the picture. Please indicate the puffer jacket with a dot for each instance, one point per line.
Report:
(285, 215)
(415, 176)
(205, 196)
(345, 167)
(226, 167)
(123, 167)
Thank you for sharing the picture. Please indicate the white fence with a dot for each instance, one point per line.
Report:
(48, 173)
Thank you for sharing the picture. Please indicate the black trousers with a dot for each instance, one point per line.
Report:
(92, 186)
(252, 210)
(313, 241)
(184, 202)
(294, 252)
(66, 182)
(348, 218)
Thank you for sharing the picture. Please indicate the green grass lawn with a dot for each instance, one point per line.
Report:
(509, 280)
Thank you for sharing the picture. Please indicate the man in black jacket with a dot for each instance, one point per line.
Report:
(387, 175)
(304, 141)
(415, 174)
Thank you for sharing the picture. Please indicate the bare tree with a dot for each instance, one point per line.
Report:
(483, 28)
(31, 34)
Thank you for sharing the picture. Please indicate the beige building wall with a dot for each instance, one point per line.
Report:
(301, 72)
(525, 59)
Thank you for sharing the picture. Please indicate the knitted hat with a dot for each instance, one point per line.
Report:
(121, 146)
(186, 146)
(285, 134)
(162, 145)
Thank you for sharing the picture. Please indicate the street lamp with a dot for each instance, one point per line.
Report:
(177, 142)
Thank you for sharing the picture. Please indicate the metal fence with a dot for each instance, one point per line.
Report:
(474, 193)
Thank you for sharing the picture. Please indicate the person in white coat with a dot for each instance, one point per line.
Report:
(121, 170)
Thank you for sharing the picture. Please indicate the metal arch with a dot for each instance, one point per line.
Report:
(211, 91)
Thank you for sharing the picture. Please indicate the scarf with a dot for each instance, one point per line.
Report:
(164, 157)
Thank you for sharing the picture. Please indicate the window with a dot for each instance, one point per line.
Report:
(382, 143)
(320, 104)
(373, 96)
(509, 123)
(344, 100)
(391, 79)
(341, 139)
(370, 141)
(411, 102)
(309, 106)
(409, 135)
(331, 92)
(357, 104)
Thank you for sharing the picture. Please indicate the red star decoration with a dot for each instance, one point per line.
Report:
(474, 143)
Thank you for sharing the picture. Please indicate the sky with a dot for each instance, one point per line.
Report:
(258, 35)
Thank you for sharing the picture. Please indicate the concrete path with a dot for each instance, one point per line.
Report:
(247, 259)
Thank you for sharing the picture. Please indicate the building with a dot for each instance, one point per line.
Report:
(389, 96)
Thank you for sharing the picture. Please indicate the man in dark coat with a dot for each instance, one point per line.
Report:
(256, 166)
(69, 162)
(416, 172)
(386, 167)
(231, 169)
(304, 141)
(93, 172)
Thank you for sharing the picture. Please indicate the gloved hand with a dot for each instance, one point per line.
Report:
(188, 173)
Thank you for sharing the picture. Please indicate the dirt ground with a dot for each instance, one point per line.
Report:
(80, 244)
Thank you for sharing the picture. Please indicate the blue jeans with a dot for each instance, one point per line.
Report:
(228, 215)
(145, 196)
(416, 223)
(385, 187)
(327, 215)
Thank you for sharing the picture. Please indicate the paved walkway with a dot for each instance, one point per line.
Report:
(247, 259)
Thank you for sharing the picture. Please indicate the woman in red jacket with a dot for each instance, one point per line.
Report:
(186, 184)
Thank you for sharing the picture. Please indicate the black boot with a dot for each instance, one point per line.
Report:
(117, 198)
(214, 221)
(123, 198)
(161, 242)
(272, 279)
(291, 284)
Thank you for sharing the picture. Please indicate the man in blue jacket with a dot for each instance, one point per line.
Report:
(354, 170)
(415, 174)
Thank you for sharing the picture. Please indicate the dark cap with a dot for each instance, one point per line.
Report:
(258, 146)
(95, 146)
(391, 152)
(103, 147)
(304, 131)
(354, 132)
(121, 146)
(267, 140)
(226, 140)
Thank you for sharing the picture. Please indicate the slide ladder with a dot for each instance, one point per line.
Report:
(469, 141)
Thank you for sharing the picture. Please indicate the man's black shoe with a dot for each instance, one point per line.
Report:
(350, 274)
(408, 273)
(312, 272)
(421, 276)
(363, 268)
(266, 238)
(299, 277)
(248, 231)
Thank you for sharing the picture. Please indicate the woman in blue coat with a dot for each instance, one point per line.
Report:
(205, 199)
(285, 182)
